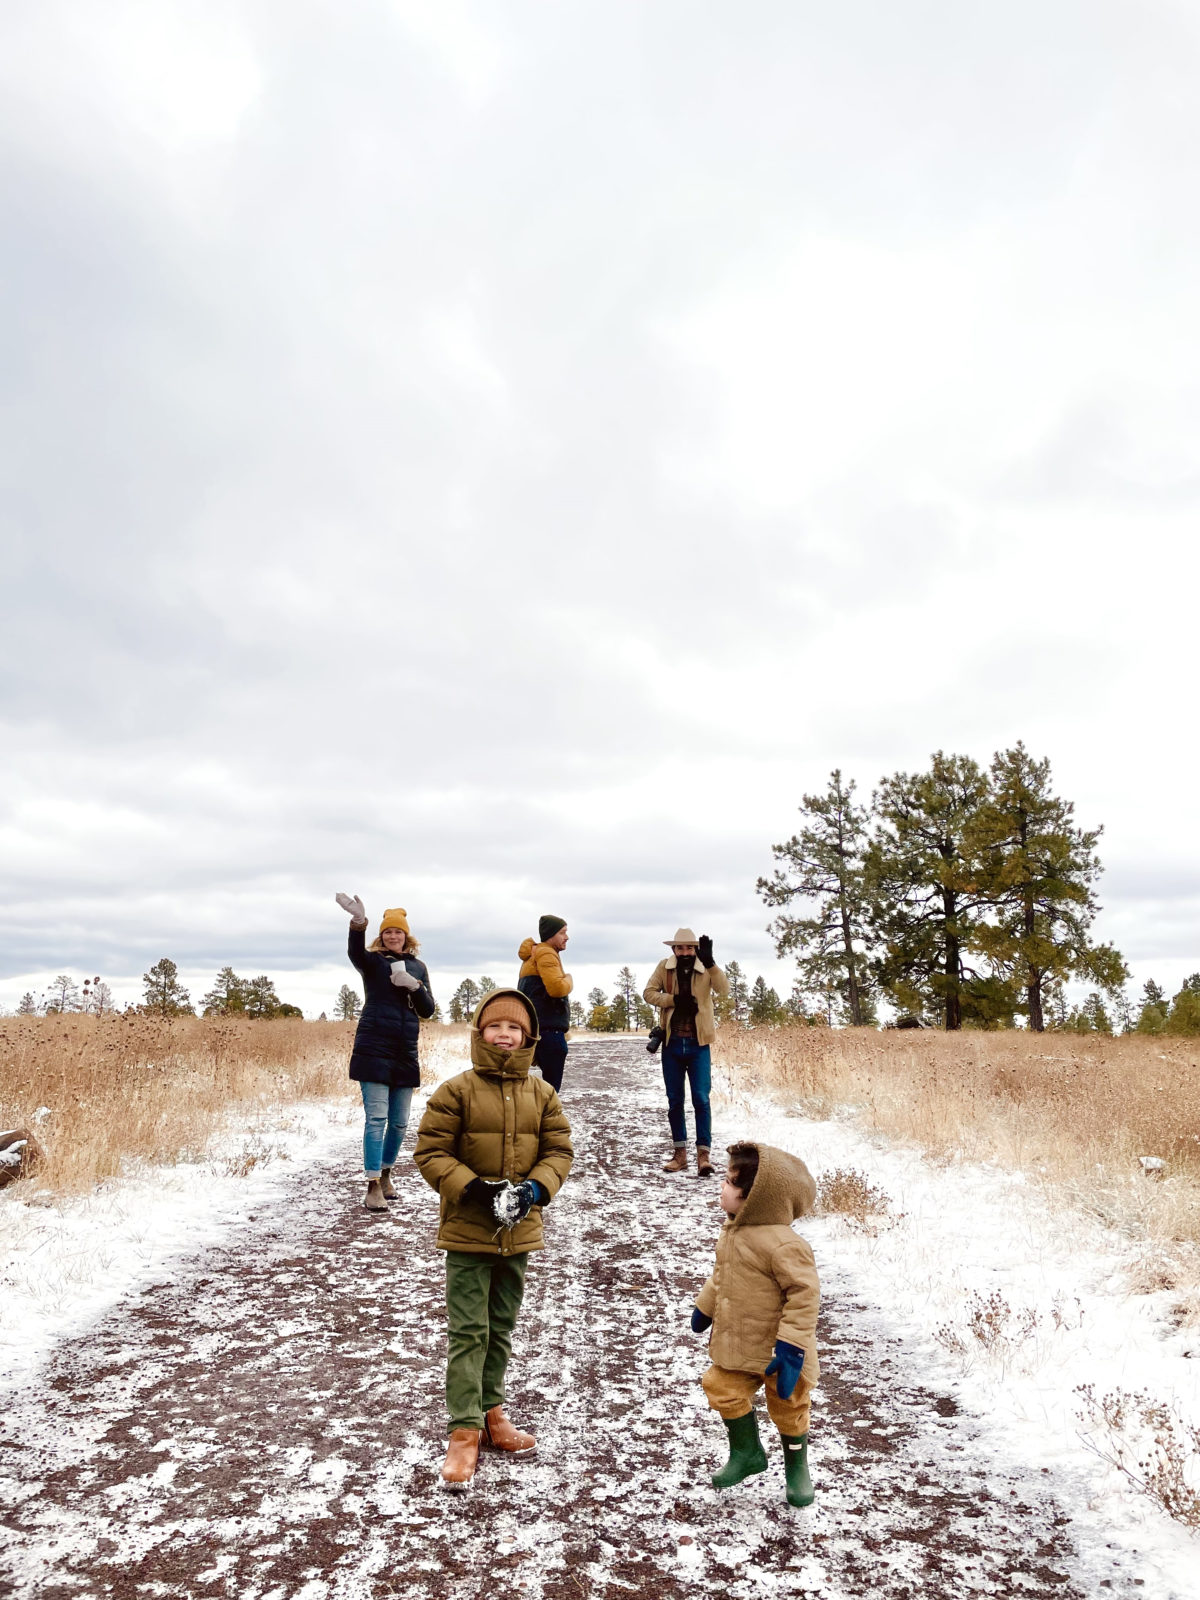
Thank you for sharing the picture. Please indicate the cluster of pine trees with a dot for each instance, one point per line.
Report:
(964, 896)
(164, 996)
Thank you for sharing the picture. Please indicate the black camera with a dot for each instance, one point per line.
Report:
(654, 1039)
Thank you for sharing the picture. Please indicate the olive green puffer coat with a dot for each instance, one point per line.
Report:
(493, 1121)
(765, 1284)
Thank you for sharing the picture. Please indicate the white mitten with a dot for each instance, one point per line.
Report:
(402, 978)
(352, 904)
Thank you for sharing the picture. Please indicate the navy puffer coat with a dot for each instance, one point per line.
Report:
(385, 1043)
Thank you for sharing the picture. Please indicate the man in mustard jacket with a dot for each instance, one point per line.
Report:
(682, 988)
(496, 1145)
(543, 981)
(761, 1303)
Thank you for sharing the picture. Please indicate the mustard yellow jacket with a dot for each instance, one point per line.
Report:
(493, 1121)
(706, 981)
(765, 1285)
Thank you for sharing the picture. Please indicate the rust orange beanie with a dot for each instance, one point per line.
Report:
(505, 1008)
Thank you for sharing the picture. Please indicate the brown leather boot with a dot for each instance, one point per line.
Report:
(502, 1435)
(374, 1200)
(385, 1184)
(678, 1162)
(462, 1457)
(703, 1165)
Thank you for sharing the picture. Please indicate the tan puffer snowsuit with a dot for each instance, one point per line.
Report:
(765, 1283)
(493, 1121)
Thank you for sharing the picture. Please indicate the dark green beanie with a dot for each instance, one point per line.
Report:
(548, 926)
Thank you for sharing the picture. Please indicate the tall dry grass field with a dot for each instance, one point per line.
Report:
(130, 1088)
(1074, 1111)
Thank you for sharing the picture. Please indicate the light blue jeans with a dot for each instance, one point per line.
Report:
(386, 1112)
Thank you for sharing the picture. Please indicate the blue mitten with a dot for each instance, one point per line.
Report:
(700, 1323)
(788, 1365)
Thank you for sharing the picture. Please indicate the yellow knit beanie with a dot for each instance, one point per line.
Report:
(396, 918)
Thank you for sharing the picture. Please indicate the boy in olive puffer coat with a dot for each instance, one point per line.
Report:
(761, 1304)
(496, 1145)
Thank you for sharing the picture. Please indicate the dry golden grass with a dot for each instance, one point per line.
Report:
(1074, 1111)
(129, 1088)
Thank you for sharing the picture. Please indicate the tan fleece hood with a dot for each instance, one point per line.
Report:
(783, 1190)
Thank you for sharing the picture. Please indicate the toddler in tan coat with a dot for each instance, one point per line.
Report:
(761, 1303)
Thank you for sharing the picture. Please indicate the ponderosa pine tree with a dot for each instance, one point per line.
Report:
(1038, 869)
(928, 893)
(765, 1006)
(164, 995)
(347, 1006)
(227, 997)
(824, 864)
(27, 1005)
(627, 990)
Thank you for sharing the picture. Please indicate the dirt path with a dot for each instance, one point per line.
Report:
(268, 1425)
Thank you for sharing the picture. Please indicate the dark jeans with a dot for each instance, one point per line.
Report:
(683, 1060)
(551, 1056)
(483, 1297)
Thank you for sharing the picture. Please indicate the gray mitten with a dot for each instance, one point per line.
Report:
(402, 978)
(352, 904)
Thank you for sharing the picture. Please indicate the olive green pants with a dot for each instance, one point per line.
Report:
(483, 1297)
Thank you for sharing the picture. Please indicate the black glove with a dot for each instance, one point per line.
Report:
(788, 1363)
(700, 1323)
(482, 1192)
(529, 1194)
(704, 951)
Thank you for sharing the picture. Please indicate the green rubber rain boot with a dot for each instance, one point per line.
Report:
(746, 1454)
(795, 1467)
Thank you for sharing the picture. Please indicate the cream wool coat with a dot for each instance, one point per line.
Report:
(706, 981)
(765, 1283)
(494, 1121)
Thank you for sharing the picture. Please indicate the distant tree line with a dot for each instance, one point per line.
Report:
(965, 897)
(163, 996)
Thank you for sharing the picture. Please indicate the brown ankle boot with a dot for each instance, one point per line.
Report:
(703, 1165)
(502, 1435)
(374, 1200)
(385, 1184)
(462, 1457)
(678, 1162)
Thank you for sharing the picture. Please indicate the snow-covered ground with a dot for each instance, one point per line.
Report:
(65, 1261)
(964, 1238)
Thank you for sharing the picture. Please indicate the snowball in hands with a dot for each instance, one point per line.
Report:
(352, 904)
(402, 978)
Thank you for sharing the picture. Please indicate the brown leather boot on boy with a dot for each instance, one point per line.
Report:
(502, 1435)
(703, 1165)
(678, 1162)
(462, 1457)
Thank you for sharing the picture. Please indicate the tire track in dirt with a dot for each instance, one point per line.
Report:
(269, 1423)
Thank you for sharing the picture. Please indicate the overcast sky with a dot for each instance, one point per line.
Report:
(495, 457)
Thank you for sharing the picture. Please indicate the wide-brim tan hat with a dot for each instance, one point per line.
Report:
(682, 936)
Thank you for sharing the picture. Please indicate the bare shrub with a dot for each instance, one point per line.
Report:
(1150, 1442)
(850, 1192)
(990, 1324)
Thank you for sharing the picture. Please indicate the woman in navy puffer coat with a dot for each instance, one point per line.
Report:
(384, 1060)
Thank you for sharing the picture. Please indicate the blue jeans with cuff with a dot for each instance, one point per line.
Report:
(685, 1061)
(383, 1132)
